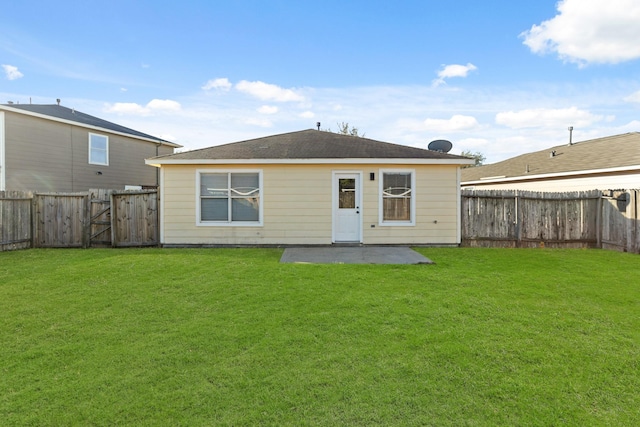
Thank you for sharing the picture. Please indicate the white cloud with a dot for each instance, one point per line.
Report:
(589, 31)
(547, 118)
(268, 109)
(453, 70)
(11, 72)
(307, 115)
(126, 108)
(264, 123)
(220, 84)
(457, 122)
(472, 144)
(268, 92)
(163, 105)
(634, 97)
(154, 106)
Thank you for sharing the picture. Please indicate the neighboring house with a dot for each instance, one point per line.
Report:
(606, 163)
(50, 148)
(310, 188)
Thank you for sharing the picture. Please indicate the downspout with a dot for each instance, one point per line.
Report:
(157, 169)
(459, 205)
(3, 167)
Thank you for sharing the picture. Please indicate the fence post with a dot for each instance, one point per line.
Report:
(599, 208)
(86, 222)
(34, 220)
(633, 222)
(519, 220)
(112, 217)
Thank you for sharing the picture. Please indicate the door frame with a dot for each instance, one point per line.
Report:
(336, 175)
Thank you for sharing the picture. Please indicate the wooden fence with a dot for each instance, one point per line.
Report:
(98, 218)
(102, 218)
(592, 219)
(15, 220)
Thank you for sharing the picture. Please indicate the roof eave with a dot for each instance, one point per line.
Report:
(492, 180)
(414, 161)
(83, 125)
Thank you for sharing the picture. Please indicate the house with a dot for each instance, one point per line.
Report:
(607, 163)
(309, 187)
(51, 148)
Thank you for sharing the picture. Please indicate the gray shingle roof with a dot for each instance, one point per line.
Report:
(310, 144)
(64, 113)
(602, 153)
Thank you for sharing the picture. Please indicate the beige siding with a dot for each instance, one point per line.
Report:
(43, 155)
(297, 207)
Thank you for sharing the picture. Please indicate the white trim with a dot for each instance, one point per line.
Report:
(458, 207)
(79, 124)
(89, 149)
(381, 221)
(334, 204)
(355, 161)
(3, 165)
(161, 221)
(489, 180)
(259, 223)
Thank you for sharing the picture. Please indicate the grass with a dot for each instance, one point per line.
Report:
(232, 337)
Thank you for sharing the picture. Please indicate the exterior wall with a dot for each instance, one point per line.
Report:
(297, 207)
(594, 182)
(43, 155)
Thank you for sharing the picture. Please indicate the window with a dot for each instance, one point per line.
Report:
(396, 198)
(229, 198)
(347, 193)
(98, 149)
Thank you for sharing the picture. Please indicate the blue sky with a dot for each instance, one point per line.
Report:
(500, 77)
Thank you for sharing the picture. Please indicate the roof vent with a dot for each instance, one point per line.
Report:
(552, 154)
(318, 125)
(58, 101)
(570, 128)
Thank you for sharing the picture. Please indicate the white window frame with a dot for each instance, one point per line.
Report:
(381, 221)
(229, 223)
(93, 162)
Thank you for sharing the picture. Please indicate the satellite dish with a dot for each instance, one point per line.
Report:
(441, 145)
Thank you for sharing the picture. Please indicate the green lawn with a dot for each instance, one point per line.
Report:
(231, 337)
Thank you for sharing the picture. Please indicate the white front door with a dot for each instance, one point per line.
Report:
(347, 216)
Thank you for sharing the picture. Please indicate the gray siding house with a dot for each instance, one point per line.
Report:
(51, 148)
(607, 163)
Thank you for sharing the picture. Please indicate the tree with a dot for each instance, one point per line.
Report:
(477, 156)
(345, 129)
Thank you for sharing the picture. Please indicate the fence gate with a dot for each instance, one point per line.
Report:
(100, 235)
(59, 220)
(134, 217)
(15, 220)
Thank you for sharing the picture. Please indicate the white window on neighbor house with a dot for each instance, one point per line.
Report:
(397, 197)
(229, 198)
(98, 149)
